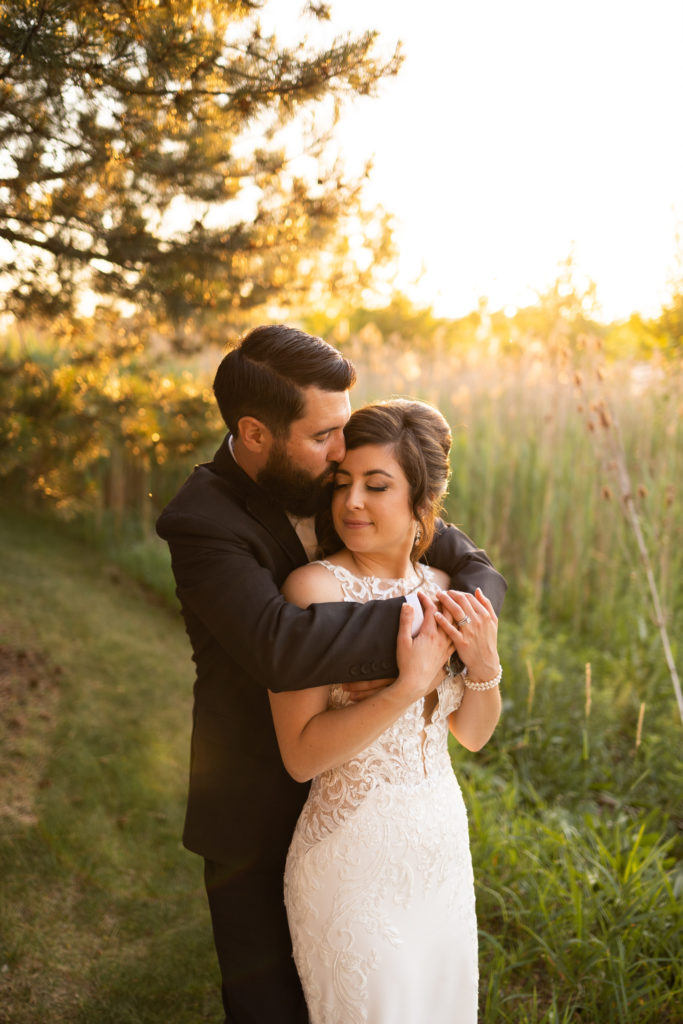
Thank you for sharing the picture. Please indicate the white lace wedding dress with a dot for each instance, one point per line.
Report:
(378, 882)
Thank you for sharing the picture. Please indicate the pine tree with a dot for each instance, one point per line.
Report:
(141, 155)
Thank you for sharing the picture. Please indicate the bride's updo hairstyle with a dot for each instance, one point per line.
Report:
(421, 441)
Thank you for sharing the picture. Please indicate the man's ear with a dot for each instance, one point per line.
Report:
(254, 435)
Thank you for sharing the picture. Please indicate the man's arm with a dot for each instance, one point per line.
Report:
(226, 594)
(228, 591)
(467, 565)
(313, 738)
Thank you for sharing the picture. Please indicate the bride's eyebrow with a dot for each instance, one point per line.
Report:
(368, 472)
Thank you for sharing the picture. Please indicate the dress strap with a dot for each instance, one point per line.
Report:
(353, 587)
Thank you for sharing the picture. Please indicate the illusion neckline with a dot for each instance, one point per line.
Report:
(419, 576)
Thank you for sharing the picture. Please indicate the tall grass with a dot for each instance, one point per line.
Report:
(575, 805)
(577, 869)
(578, 917)
(531, 483)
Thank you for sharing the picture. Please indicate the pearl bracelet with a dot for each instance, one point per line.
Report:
(488, 685)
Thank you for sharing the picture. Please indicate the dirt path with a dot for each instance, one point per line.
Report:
(29, 696)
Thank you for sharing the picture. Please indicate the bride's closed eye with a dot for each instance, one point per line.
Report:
(339, 485)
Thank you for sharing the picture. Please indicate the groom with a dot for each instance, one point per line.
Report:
(236, 529)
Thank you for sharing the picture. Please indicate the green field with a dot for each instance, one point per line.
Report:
(576, 804)
(574, 819)
(102, 911)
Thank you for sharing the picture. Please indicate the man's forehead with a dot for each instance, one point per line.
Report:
(330, 408)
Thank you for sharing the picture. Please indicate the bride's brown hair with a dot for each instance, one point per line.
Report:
(421, 441)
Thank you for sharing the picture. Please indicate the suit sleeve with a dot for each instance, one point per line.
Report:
(468, 566)
(226, 594)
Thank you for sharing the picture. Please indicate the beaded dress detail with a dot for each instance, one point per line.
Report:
(378, 882)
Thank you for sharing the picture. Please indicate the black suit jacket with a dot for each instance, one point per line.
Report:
(232, 549)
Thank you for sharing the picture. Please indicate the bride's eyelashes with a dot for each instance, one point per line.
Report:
(342, 484)
(368, 487)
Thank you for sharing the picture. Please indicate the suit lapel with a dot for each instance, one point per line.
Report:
(274, 519)
(269, 513)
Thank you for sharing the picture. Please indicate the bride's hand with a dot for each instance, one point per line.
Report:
(473, 629)
(421, 658)
(364, 688)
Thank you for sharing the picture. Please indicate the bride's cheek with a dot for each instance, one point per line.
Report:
(336, 518)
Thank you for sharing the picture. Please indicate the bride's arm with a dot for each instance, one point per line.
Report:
(313, 737)
(476, 643)
(475, 720)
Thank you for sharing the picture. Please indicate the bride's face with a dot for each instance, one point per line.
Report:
(371, 503)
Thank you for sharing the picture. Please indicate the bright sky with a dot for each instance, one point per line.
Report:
(521, 130)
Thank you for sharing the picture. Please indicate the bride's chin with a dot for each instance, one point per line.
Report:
(351, 543)
(355, 545)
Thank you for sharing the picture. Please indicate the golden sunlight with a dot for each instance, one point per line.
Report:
(516, 134)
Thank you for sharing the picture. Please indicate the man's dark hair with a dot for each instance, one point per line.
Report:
(265, 374)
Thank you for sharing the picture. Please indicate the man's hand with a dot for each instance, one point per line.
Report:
(365, 688)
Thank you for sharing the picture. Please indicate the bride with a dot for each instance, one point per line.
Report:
(378, 882)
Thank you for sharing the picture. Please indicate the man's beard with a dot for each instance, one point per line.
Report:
(300, 493)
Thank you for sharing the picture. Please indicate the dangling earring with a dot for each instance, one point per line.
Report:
(418, 536)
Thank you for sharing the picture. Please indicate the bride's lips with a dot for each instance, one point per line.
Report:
(353, 524)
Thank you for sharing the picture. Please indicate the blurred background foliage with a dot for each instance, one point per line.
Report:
(101, 419)
(575, 805)
(165, 185)
(171, 155)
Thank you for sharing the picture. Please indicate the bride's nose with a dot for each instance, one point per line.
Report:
(354, 496)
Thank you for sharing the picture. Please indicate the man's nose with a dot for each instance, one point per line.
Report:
(337, 450)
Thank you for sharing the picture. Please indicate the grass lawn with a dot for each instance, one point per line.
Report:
(575, 824)
(102, 912)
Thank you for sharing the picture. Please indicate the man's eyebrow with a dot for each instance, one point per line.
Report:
(327, 430)
(368, 472)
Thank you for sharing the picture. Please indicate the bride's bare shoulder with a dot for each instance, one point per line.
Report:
(440, 577)
(312, 584)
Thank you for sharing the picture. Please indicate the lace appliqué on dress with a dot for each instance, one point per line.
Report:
(386, 827)
(409, 750)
